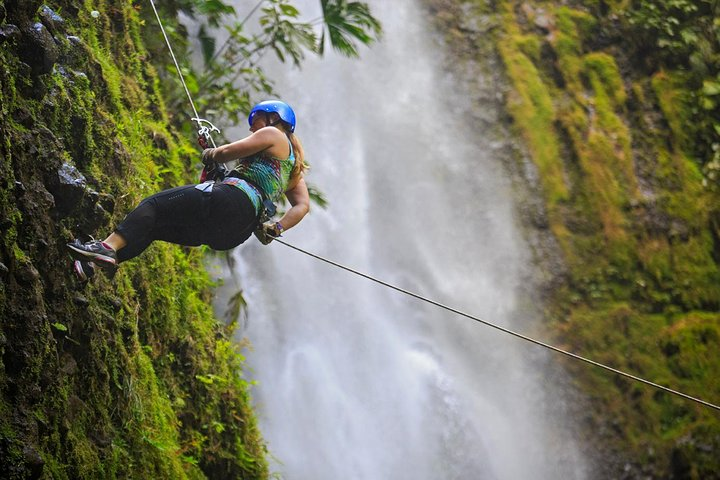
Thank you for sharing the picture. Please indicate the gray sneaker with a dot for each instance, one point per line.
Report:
(95, 252)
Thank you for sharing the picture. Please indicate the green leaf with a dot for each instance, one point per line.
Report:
(190, 79)
(711, 88)
(284, 35)
(348, 23)
(207, 45)
(214, 10)
(708, 103)
(317, 196)
(237, 305)
(689, 37)
(218, 427)
(289, 10)
(60, 327)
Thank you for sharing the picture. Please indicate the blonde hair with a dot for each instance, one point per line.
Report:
(300, 165)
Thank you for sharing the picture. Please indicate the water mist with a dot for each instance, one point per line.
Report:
(359, 382)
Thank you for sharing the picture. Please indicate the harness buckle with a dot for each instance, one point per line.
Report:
(270, 208)
(205, 187)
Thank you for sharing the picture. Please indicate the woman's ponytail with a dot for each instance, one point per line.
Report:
(300, 165)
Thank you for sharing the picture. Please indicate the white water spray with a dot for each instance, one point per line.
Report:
(359, 382)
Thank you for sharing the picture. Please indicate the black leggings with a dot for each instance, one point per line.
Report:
(222, 219)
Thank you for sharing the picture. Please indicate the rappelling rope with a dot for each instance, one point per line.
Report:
(204, 130)
(502, 329)
(425, 299)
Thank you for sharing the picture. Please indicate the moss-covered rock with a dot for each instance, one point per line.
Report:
(129, 377)
(636, 228)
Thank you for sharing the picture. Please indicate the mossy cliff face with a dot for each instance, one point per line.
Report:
(129, 377)
(635, 223)
(637, 230)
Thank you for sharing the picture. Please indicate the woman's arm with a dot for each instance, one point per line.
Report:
(264, 139)
(299, 199)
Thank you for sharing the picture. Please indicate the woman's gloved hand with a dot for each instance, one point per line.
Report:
(208, 156)
(268, 231)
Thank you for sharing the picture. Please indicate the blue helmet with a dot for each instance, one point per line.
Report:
(281, 108)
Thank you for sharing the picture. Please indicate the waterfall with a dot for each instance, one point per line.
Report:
(359, 382)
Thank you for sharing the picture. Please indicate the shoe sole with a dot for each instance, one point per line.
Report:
(80, 271)
(97, 258)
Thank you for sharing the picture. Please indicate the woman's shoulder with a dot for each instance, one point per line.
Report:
(272, 132)
(278, 142)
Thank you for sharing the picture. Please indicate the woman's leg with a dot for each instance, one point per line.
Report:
(184, 215)
(222, 219)
(176, 215)
(115, 241)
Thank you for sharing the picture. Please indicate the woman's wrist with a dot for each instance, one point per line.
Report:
(215, 154)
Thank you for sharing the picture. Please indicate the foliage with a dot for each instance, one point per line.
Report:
(683, 30)
(346, 21)
(230, 76)
(686, 34)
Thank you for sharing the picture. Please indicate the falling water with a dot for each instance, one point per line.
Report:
(359, 382)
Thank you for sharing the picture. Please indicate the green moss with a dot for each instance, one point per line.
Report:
(607, 124)
(573, 26)
(110, 407)
(530, 46)
(19, 255)
(154, 420)
(629, 250)
(569, 61)
(533, 110)
(588, 112)
(619, 336)
(672, 95)
(683, 262)
(606, 72)
(114, 81)
(603, 186)
(576, 23)
(695, 273)
(691, 344)
(683, 195)
(9, 437)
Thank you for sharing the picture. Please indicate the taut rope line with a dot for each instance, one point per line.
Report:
(420, 297)
(204, 130)
(502, 329)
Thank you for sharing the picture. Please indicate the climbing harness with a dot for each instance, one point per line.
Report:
(205, 130)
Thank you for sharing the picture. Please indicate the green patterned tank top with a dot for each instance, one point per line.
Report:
(266, 176)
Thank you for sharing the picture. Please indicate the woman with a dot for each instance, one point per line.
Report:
(222, 214)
